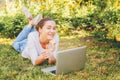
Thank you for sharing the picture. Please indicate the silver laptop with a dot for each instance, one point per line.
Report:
(68, 61)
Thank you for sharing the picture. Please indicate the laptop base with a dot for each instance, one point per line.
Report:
(51, 70)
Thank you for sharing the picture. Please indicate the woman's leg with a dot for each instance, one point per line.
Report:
(21, 40)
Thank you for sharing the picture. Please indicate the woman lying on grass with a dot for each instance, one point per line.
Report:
(38, 42)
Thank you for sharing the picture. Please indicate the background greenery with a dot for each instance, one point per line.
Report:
(93, 23)
(101, 18)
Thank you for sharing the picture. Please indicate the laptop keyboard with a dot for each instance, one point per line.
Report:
(53, 72)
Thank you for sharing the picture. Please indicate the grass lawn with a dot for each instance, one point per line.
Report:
(103, 61)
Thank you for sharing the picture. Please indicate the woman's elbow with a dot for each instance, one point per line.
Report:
(36, 63)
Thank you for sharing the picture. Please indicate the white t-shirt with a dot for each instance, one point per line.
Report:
(34, 49)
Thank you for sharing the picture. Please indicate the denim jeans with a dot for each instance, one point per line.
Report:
(21, 40)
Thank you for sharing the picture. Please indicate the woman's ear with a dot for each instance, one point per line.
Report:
(39, 29)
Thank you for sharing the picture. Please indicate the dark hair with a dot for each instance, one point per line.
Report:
(42, 22)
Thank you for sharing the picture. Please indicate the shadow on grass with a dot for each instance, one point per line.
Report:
(103, 56)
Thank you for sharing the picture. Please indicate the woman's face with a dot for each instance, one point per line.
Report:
(48, 31)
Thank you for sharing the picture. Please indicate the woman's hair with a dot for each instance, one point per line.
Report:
(42, 23)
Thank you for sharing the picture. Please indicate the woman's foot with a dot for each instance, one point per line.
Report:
(34, 21)
(27, 13)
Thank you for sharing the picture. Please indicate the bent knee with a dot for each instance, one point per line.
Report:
(16, 46)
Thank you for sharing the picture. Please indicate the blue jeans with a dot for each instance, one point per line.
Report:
(21, 40)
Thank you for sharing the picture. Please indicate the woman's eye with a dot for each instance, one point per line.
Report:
(48, 28)
(54, 28)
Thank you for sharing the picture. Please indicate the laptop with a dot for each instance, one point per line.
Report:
(68, 61)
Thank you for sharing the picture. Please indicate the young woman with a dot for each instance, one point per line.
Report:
(38, 43)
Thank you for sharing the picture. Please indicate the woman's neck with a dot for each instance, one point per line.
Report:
(44, 43)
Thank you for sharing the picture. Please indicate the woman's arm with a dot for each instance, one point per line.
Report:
(51, 59)
(32, 53)
(54, 44)
(41, 58)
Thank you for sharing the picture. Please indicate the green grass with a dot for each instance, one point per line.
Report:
(103, 62)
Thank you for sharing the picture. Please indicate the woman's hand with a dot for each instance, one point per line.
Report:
(45, 55)
(51, 48)
(52, 45)
(51, 58)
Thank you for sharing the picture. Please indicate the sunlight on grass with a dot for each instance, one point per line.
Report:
(102, 61)
(68, 42)
(6, 41)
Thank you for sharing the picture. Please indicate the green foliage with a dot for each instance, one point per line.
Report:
(110, 17)
(101, 33)
(11, 26)
(64, 27)
(67, 14)
(1, 26)
(100, 4)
